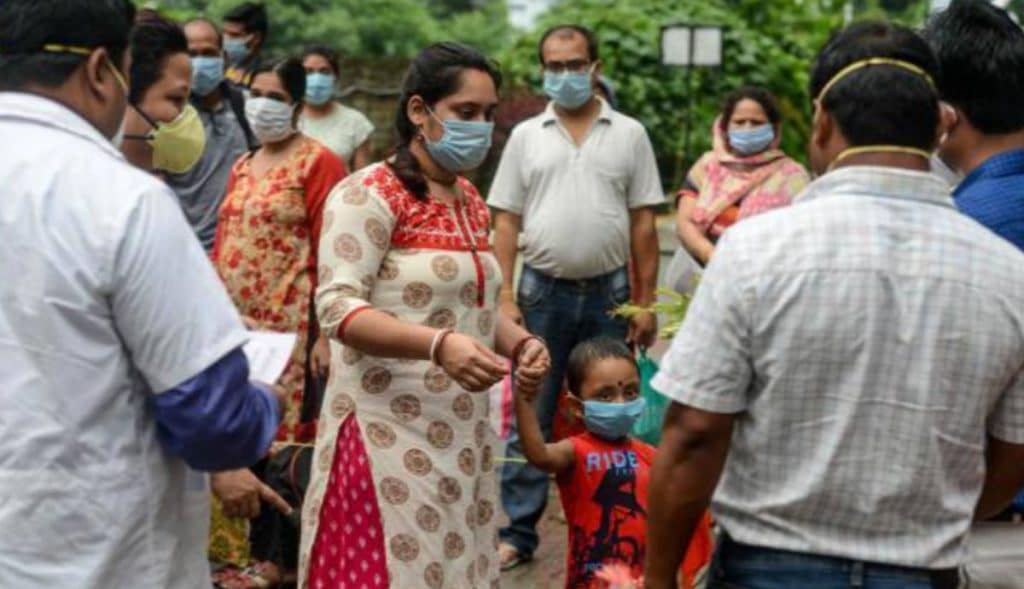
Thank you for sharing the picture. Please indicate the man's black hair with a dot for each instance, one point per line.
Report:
(153, 41)
(586, 353)
(879, 104)
(251, 14)
(981, 51)
(570, 30)
(27, 25)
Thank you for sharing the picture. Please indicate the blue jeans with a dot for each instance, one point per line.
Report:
(740, 566)
(564, 313)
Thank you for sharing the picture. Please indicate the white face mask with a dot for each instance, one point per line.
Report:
(271, 120)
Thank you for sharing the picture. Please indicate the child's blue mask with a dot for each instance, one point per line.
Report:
(612, 421)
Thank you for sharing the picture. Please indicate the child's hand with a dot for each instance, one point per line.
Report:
(532, 368)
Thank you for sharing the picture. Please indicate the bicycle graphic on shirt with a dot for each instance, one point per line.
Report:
(616, 494)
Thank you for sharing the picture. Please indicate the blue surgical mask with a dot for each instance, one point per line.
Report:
(237, 49)
(463, 146)
(569, 90)
(612, 421)
(751, 141)
(319, 88)
(207, 74)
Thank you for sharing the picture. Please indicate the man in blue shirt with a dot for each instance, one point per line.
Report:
(981, 51)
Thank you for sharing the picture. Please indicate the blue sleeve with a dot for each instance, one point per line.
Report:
(218, 419)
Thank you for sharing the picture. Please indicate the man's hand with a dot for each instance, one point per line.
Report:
(240, 494)
(643, 330)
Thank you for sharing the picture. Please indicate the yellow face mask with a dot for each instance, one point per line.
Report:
(178, 145)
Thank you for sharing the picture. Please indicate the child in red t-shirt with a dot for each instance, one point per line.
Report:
(603, 473)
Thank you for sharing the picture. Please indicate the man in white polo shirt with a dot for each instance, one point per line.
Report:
(579, 181)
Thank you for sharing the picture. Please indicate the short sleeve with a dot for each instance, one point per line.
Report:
(644, 183)
(709, 364)
(508, 191)
(169, 306)
(1007, 420)
(357, 233)
(362, 128)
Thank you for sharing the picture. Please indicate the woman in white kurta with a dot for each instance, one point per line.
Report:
(403, 491)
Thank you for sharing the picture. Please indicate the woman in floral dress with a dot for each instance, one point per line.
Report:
(265, 252)
(403, 492)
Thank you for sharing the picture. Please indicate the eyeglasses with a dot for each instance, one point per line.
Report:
(575, 66)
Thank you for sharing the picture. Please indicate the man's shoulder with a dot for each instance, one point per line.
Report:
(626, 122)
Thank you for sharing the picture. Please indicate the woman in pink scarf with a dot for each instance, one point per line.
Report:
(745, 174)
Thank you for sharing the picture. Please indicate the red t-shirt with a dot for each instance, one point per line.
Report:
(605, 501)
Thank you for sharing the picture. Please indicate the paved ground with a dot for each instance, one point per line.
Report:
(547, 571)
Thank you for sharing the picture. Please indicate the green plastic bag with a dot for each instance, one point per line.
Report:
(648, 426)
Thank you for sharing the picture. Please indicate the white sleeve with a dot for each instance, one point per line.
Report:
(508, 191)
(169, 305)
(645, 182)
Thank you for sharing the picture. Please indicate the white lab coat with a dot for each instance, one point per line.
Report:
(105, 297)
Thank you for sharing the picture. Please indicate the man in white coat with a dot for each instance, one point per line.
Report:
(121, 373)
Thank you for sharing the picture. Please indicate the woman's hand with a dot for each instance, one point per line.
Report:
(532, 368)
(240, 494)
(320, 358)
(471, 364)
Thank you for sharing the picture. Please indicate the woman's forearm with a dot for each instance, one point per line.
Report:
(507, 336)
(380, 334)
(690, 235)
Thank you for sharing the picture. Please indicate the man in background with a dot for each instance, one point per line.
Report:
(245, 34)
(221, 107)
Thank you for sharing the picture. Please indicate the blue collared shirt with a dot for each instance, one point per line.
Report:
(993, 195)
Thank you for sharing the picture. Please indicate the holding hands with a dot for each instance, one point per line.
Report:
(532, 366)
(467, 361)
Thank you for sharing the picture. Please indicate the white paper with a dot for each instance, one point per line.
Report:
(268, 354)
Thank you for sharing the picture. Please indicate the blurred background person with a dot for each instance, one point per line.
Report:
(221, 109)
(245, 33)
(266, 254)
(743, 175)
(163, 132)
(346, 131)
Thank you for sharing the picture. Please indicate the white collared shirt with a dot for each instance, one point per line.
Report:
(106, 299)
(868, 337)
(575, 199)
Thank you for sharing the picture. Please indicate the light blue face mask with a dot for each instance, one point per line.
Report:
(207, 74)
(612, 421)
(319, 88)
(237, 49)
(751, 141)
(463, 146)
(569, 90)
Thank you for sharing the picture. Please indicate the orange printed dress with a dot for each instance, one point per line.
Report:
(604, 496)
(265, 252)
(403, 492)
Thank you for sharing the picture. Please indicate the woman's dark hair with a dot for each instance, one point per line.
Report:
(435, 74)
(27, 25)
(291, 73)
(981, 52)
(325, 52)
(883, 104)
(759, 95)
(153, 40)
(586, 353)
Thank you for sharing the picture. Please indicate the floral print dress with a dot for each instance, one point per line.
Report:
(403, 490)
(265, 254)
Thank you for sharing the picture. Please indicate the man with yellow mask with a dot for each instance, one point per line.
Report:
(857, 357)
(163, 131)
(122, 375)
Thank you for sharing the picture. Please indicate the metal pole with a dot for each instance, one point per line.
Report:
(689, 98)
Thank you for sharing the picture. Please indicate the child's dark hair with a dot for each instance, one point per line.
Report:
(586, 353)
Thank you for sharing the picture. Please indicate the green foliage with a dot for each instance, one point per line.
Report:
(671, 307)
(768, 44)
(368, 28)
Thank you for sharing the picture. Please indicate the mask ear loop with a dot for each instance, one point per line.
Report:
(149, 121)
